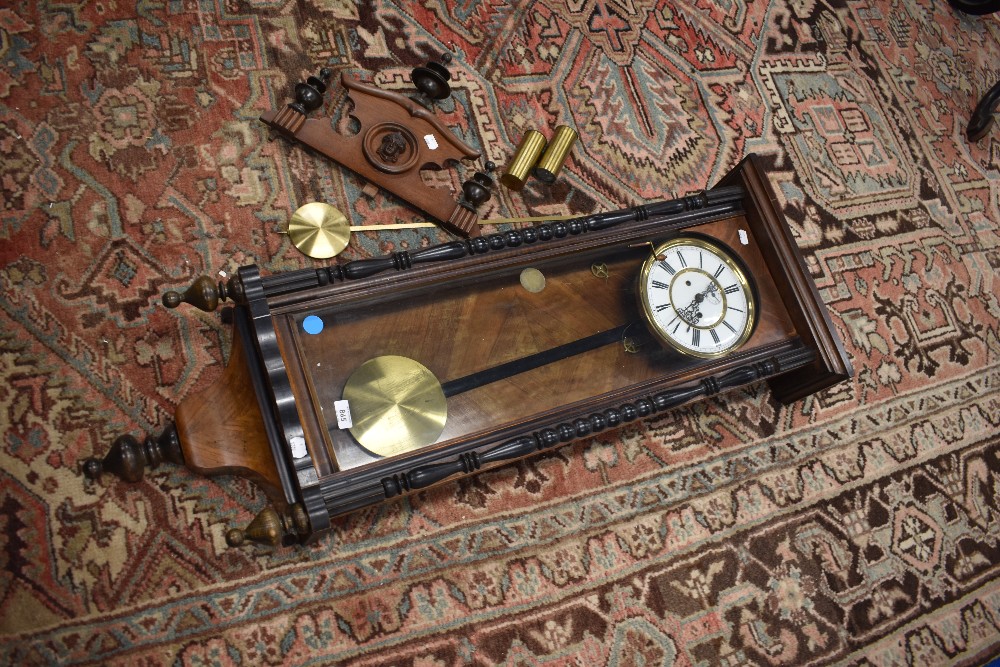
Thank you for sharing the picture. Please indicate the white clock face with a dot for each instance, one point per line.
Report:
(695, 298)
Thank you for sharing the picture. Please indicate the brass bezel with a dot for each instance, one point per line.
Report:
(726, 256)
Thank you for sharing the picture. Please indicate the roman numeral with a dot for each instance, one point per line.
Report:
(666, 265)
(681, 258)
(657, 283)
(715, 336)
(728, 326)
(662, 307)
(701, 260)
(695, 337)
(718, 271)
(732, 289)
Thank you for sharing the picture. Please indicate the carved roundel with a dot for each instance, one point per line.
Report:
(391, 148)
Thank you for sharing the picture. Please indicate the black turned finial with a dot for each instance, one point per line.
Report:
(432, 80)
(477, 188)
(309, 95)
(128, 458)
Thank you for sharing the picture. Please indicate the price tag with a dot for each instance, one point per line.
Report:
(343, 410)
(298, 445)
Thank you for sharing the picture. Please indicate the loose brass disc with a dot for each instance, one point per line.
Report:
(532, 280)
(319, 230)
(397, 405)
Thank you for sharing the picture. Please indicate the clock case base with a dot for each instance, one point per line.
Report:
(259, 420)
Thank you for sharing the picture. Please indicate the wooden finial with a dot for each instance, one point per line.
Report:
(128, 458)
(272, 528)
(205, 293)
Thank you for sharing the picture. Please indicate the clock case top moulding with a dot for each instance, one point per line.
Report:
(264, 418)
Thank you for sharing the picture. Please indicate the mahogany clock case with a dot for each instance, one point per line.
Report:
(464, 328)
(523, 369)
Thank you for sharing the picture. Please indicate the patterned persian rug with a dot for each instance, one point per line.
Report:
(860, 526)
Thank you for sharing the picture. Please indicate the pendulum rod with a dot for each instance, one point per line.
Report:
(399, 406)
(533, 361)
(492, 221)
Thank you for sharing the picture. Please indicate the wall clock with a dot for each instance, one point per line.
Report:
(356, 383)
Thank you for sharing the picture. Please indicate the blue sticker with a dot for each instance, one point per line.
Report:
(312, 324)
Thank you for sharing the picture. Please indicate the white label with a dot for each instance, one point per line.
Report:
(298, 444)
(343, 409)
(431, 141)
(744, 239)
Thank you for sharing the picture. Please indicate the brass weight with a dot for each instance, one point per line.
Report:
(555, 155)
(531, 147)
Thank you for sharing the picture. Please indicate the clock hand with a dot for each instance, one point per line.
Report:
(711, 292)
(690, 313)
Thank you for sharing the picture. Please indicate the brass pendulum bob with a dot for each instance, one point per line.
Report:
(319, 230)
(398, 405)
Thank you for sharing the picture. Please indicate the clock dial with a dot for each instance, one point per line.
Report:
(696, 298)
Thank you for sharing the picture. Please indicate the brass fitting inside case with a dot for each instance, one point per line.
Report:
(555, 155)
(531, 146)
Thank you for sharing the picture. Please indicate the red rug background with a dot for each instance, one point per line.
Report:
(859, 526)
